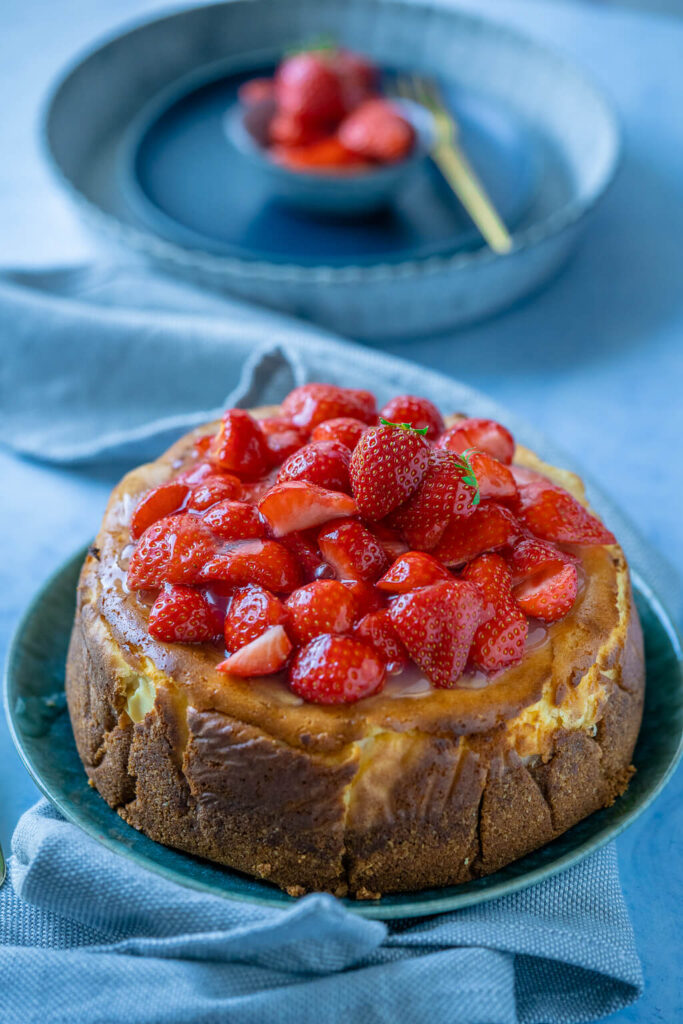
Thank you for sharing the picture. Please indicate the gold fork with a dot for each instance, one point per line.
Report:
(449, 157)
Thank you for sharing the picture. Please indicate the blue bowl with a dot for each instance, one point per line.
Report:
(338, 194)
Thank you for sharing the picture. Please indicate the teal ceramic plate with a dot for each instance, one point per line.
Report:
(36, 709)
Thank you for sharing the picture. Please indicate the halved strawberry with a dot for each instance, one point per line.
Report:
(158, 503)
(325, 463)
(377, 630)
(311, 404)
(345, 429)
(553, 514)
(442, 495)
(324, 606)
(183, 615)
(545, 580)
(352, 550)
(283, 438)
(499, 642)
(240, 446)
(419, 412)
(437, 625)
(255, 561)
(490, 527)
(387, 466)
(336, 670)
(486, 435)
(214, 488)
(252, 611)
(413, 570)
(297, 505)
(172, 550)
(235, 520)
(494, 479)
(266, 654)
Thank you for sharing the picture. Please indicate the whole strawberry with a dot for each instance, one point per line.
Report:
(437, 625)
(387, 466)
(376, 131)
(443, 494)
(325, 463)
(417, 411)
(183, 615)
(252, 611)
(324, 606)
(307, 87)
(500, 640)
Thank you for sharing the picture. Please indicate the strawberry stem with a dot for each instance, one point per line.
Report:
(469, 477)
(404, 426)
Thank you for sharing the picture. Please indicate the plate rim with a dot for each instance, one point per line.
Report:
(371, 910)
(146, 241)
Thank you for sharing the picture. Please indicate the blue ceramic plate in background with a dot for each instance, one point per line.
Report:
(541, 134)
(35, 704)
(183, 179)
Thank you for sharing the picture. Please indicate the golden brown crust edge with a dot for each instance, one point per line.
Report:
(361, 818)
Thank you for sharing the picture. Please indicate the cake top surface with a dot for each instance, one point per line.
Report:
(328, 570)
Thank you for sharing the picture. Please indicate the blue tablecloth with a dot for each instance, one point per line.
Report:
(595, 360)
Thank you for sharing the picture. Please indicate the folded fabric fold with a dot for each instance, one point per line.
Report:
(83, 927)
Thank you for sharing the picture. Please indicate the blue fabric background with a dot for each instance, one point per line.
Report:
(595, 361)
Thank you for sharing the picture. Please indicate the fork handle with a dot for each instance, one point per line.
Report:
(462, 178)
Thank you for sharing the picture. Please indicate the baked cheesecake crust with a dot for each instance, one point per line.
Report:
(390, 794)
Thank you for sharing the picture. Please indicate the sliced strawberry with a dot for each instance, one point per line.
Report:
(345, 429)
(336, 670)
(215, 488)
(202, 444)
(413, 570)
(377, 630)
(182, 615)
(305, 85)
(240, 446)
(282, 438)
(235, 520)
(553, 514)
(375, 130)
(266, 654)
(419, 412)
(490, 527)
(499, 642)
(545, 580)
(197, 472)
(158, 503)
(251, 612)
(442, 495)
(368, 598)
(325, 463)
(486, 435)
(255, 90)
(437, 625)
(311, 404)
(297, 505)
(264, 562)
(352, 550)
(387, 466)
(324, 606)
(172, 550)
(494, 479)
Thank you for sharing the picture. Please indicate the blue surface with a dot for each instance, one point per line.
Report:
(596, 361)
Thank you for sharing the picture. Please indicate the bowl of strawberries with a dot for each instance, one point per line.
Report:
(325, 134)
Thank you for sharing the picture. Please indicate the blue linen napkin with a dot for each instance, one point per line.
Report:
(87, 935)
(114, 363)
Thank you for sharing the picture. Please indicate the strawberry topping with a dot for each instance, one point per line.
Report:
(437, 556)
